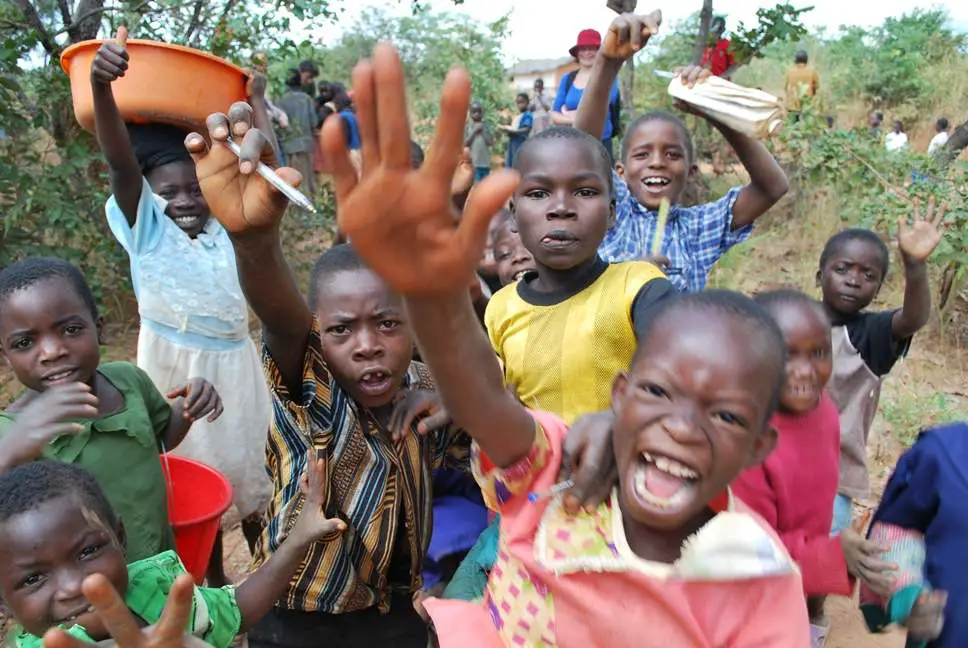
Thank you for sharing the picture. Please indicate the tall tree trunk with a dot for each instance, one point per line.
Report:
(705, 20)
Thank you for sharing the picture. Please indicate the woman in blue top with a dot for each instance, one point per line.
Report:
(573, 84)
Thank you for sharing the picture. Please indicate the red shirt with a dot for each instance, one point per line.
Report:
(794, 490)
(718, 58)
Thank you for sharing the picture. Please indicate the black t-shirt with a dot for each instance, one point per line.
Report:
(872, 334)
(648, 296)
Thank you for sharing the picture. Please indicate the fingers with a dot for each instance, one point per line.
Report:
(652, 22)
(364, 98)
(334, 145)
(113, 612)
(448, 144)
(217, 410)
(391, 107)
(178, 392)
(485, 200)
(255, 148)
(174, 618)
(436, 421)
(637, 34)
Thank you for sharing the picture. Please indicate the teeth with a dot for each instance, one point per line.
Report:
(656, 181)
(646, 495)
(58, 376)
(671, 466)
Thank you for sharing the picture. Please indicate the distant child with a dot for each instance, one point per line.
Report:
(657, 160)
(941, 136)
(194, 319)
(107, 418)
(298, 141)
(519, 130)
(866, 344)
(897, 139)
(477, 137)
(57, 527)
(691, 412)
(923, 518)
(793, 489)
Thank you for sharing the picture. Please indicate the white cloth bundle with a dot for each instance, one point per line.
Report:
(748, 111)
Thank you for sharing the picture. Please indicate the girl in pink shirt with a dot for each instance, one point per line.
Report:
(794, 488)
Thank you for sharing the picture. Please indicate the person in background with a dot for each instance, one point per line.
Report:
(875, 120)
(307, 77)
(573, 84)
(717, 58)
(260, 64)
(897, 139)
(802, 81)
(941, 136)
(519, 130)
(351, 127)
(478, 138)
(298, 142)
(540, 108)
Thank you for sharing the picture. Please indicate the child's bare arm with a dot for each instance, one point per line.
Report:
(110, 64)
(416, 244)
(917, 242)
(195, 399)
(626, 35)
(251, 211)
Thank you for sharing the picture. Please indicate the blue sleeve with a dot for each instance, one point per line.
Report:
(561, 95)
(713, 231)
(527, 121)
(910, 498)
(148, 224)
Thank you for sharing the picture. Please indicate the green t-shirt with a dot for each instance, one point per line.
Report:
(121, 451)
(215, 617)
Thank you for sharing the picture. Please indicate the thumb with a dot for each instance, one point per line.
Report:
(485, 200)
(122, 36)
(179, 391)
(332, 526)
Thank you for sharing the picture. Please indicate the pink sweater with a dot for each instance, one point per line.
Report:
(794, 492)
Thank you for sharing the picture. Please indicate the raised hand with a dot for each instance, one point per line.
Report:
(169, 632)
(919, 239)
(241, 200)
(629, 33)
(402, 221)
(201, 398)
(312, 524)
(50, 415)
(111, 60)
(413, 403)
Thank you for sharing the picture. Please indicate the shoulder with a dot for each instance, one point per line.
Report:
(124, 373)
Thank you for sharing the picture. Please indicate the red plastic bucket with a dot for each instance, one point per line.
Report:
(198, 496)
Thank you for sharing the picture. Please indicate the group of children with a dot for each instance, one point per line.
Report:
(731, 430)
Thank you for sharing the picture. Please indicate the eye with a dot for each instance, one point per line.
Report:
(167, 194)
(389, 324)
(653, 390)
(870, 276)
(840, 268)
(729, 418)
(674, 155)
(536, 194)
(586, 193)
(820, 353)
(501, 255)
(21, 344)
(91, 551)
(73, 329)
(33, 580)
(640, 155)
(339, 329)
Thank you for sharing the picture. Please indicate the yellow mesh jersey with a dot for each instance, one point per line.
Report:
(562, 358)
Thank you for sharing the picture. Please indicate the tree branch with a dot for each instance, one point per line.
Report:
(193, 24)
(65, 11)
(33, 20)
(702, 40)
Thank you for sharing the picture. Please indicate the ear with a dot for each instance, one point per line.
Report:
(819, 279)
(620, 387)
(620, 169)
(511, 209)
(99, 327)
(693, 170)
(611, 212)
(762, 447)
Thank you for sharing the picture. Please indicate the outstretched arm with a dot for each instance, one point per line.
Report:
(917, 242)
(110, 64)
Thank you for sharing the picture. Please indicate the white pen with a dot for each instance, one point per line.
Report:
(293, 194)
(664, 74)
(560, 487)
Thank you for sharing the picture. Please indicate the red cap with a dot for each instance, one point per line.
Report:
(586, 38)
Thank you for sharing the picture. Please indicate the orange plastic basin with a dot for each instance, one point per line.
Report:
(164, 83)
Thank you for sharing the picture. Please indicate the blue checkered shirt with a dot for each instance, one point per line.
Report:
(695, 237)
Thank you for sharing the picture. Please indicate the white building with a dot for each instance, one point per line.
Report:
(523, 74)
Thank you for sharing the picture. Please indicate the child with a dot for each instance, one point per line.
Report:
(792, 490)
(941, 137)
(866, 344)
(519, 129)
(57, 528)
(478, 138)
(657, 160)
(692, 411)
(298, 140)
(194, 320)
(897, 139)
(925, 505)
(107, 418)
(513, 260)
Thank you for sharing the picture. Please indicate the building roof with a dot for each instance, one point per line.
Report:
(531, 66)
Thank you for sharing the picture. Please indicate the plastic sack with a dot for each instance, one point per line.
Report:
(751, 112)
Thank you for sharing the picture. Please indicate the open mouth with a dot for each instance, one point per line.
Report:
(74, 616)
(519, 275)
(656, 184)
(375, 382)
(664, 484)
(61, 376)
(186, 221)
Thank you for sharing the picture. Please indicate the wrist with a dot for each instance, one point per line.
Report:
(912, 265)
(607, 64)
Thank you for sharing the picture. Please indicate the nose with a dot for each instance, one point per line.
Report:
(368, 344)
(683, 425)
(657, 160)
(52, 348)
(68, 591)
(799, 369)
(561, 206)
(521, 256)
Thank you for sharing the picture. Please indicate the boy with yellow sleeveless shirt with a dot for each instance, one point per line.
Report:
(565, 330)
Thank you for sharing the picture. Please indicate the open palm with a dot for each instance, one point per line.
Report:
(402, 221)
(919, 239)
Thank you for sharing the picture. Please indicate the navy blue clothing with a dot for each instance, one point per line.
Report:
(928, 492)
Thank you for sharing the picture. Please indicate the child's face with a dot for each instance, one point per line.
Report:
(562, 205)
(806, 331)
(178, 184)
(513, 259)
(690, 415)
(522, 104)
(852, 276)
(477, 113)
(657, 165)
(366, 340)
(45, 555)
(49, 336)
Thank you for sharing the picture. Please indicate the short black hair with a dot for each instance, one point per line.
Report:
(660, 115)
(307, 65)
(523, 95)
(800, 57)
(837, 242)
(33, 270)
(942, 124)
(773, 300)
(339, 258)
(755, 319)
(293, 80)
(577, 136)
(879, 115)
(30, 485)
